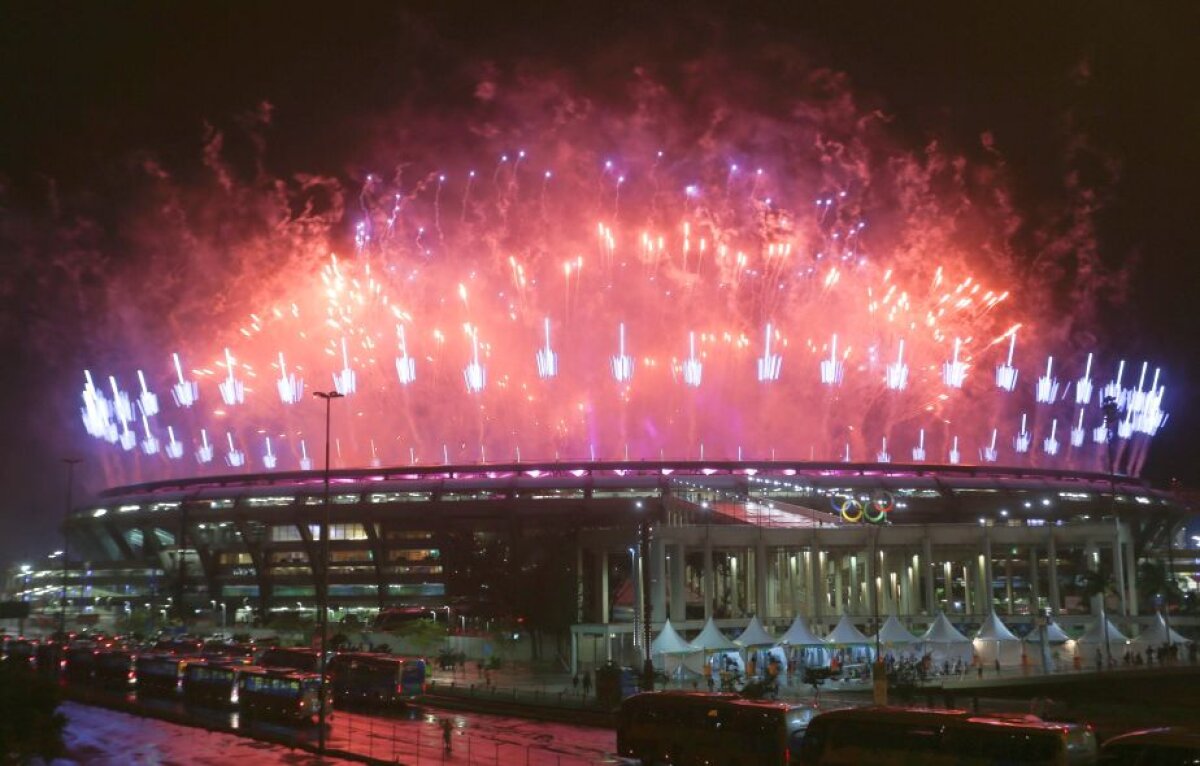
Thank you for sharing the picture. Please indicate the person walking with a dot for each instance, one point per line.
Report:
(447, 732)
(575, 683)
(587, 682)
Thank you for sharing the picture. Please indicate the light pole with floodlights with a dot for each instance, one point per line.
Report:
(323, 583)
(70, 462)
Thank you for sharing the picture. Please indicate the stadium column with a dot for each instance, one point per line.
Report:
(658, 580)
(1035, 585)
(708, 577)
(603, 589)
(1008, 586)
(1118, 568)
(1091, 555)
(838, 606)
(678, 587)
(855, 586)
(873, 584)
(1131, 573)
(578, 581)
(968, 597)
(927, 570)
(906, 587)
(1052, 563)
(760, 579)
(988, 583)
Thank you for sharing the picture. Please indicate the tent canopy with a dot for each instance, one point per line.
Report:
(1054, 634)
(1095, 634)
(894, 632)
(755, 635)
(844, 633)
(669, 641)
(799, 634)
(1157, 634)
(711, 639)
(942, 632)
(993, 629)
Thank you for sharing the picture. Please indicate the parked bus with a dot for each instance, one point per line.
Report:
(684, 728)
(115, 669)
(160, 674)
(292, 658)
(366, 679)
(890, 735)
(278, 694)
(213, 683)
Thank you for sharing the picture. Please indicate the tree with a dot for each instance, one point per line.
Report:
(423, 635)
(1154, 583)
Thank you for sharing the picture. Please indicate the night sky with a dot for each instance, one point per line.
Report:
(93, 94)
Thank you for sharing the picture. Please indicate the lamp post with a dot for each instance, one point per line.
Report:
(647, 608)
(1112, 414)
(323, 584)
(70, 462)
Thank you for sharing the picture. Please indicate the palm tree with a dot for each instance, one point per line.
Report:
(1154, 582)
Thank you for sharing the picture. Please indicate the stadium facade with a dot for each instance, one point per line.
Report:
(726, 540)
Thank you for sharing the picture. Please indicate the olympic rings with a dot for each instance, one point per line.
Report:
(854, 510)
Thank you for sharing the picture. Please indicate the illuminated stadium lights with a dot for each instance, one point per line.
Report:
(269, 458)
(149, 442)
(1050, 443)
(547, 359)
(474, 373)
(832, 369)
(1006, 374)
(290, 387)
(234, 457)
(173, 447)
(1078, 433)
(146, 400)
(345, 381)
(769, 365)
(1047, 385)
(1023, 438)
(954, 372)
(406, 366)
(233, 391)
(896, 374)
(621, 363)
(204, 453)
(918, 452)
(185, 392)
(1083, 386)
(692, 367)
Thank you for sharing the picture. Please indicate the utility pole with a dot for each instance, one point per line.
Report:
(323, 582)
(70, 462)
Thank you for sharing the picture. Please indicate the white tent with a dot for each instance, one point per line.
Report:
(850, 642)
(1093, 640)
(718, 650)
(1054, 634)
(803, 645)
(755, 635)
(893, 633)
(1156, 636)
(943, 643)
(670, 649)
(995, 641)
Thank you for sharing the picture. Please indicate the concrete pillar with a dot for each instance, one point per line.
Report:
(948, 579)
(574, 652)
(988, 581)
(969, 598)
(1131, 577)
(658, 580)
(605, 598)
(927, 573)
(1035, 585)
(760, 580)
(1008, 588)
(1052, 565)
(1118, 555)
(1091, 554)
(736, 572)
(855, 587)
(838, 603)
(907, 585)
(872, 573)
(814, 583)
(578, 583)
(678, 583)
(709, 581)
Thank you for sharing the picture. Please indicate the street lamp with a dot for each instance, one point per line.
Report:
(70, 462)
(323, 585)
(1112, 414)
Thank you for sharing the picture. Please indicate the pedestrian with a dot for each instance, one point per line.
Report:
(997, 666)
(447, 732)
(575, 682)
(587, 682)
(979, 668)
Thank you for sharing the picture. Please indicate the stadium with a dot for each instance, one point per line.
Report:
(623, 388)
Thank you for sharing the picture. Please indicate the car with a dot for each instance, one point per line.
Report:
(1167, 746)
